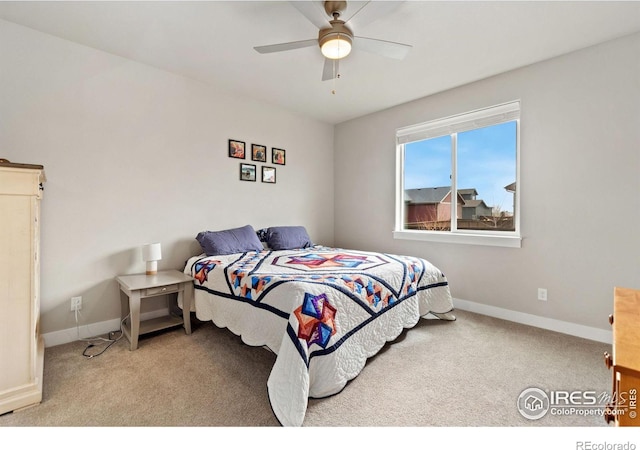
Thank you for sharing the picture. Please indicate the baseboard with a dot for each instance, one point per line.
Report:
(93, 329)
(573, 329)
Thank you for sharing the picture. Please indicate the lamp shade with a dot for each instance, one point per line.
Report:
(152, 252)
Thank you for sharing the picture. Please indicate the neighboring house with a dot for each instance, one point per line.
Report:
(430, 204)
(426, 207)
(511, 188)
(468, 194)
(473, 208)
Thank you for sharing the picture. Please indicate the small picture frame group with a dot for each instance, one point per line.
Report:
(248, 172)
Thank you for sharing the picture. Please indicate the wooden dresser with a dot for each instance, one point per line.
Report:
(21, 346)
(624, 361)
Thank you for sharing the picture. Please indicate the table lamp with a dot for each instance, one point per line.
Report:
(151, 254)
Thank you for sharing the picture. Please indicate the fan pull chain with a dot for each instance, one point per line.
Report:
(335, 77)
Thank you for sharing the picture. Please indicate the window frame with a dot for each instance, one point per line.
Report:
(451, 126)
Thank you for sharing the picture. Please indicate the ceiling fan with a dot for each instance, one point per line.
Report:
(335, 38)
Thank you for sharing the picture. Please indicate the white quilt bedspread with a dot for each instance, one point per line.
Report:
(322, 310)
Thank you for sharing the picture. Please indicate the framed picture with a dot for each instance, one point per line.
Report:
(236, 149)
(258, 153)
(247, 172)
(268, 174)
(277, 156)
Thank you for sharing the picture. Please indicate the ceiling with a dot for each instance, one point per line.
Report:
(454, 43)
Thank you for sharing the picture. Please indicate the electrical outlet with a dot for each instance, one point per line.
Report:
(542, 294)
(76, 303)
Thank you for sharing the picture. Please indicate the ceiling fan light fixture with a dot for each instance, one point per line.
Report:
(335, 46)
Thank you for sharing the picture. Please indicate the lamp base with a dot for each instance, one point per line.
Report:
(152, 267)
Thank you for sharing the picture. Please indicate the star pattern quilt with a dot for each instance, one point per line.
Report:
(323, 311)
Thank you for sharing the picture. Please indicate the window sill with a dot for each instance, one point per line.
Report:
(460, 238)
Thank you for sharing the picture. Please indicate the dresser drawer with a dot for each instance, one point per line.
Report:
(161, 290)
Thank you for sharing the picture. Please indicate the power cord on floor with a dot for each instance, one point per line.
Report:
(112, 339)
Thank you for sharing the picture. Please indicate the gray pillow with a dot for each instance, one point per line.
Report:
(287, 238)
(227, 242)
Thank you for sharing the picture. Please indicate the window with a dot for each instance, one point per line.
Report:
(457, 178)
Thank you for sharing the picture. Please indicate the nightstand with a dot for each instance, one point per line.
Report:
(135, 288)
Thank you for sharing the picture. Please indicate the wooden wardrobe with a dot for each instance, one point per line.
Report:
(21, 346)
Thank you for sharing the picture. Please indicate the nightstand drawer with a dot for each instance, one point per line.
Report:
(161, 290)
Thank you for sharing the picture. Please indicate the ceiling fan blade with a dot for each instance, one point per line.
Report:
(285, 46)
(330, 69)
(389, 49)
(313, 11)
(370, 12)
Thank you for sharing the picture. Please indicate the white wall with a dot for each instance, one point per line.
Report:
(133, 154)
(579, 186)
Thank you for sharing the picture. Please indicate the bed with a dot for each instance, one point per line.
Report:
(323, 311)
